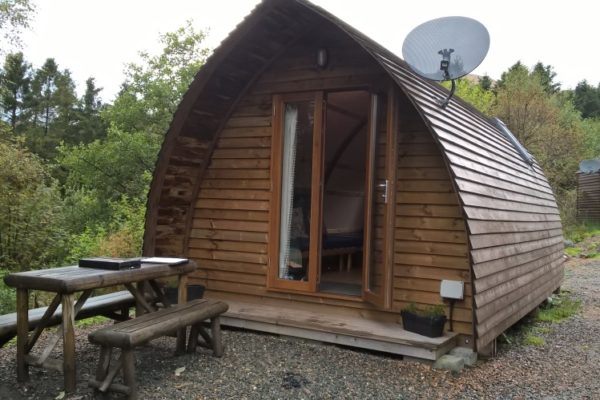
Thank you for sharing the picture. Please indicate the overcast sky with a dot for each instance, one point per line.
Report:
(97, 38)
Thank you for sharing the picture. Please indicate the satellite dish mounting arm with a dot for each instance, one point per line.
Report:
(444, 65)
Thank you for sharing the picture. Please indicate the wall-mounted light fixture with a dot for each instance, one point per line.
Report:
(322, 58)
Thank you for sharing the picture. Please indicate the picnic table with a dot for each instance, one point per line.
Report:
(65, 282)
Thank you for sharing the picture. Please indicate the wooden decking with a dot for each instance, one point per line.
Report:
(383, 336)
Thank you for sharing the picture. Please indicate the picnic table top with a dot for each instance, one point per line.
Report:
(74, 278)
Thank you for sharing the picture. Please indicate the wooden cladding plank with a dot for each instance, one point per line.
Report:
(486, 190)
(426, 185)
(230, 194)
(228, 256)
(236, 184)
(426, 198)
(505, 292)
(426, 285)
(238, 174)
(431, 223)
(228, 225)
(431, 235)
(499, 174)
(248, 122)
(478, 201)
(212, 244)
(422, 247)
(487, 226)
(241, 236)
(231, 276)
(220, 204)
(244, 143)
(501, 252)
(404, 174)
(231, 266)
(491, 267)
(325, 83)
(257, 163)
(423, 297)
(428, 210)
(511, 186)
(242, 153)
(523, 301)
(410, 161)
(417, 271)
(505, 275)
(432, 260)
(236, 215)
(500, 239)
(246, 132)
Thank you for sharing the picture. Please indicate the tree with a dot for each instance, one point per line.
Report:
(587, 99)
(547, 124)
(474, 94)
(546, 75)
(14, 88)
(485, 82)
(14, 16)
(152, 90)
(31, 223)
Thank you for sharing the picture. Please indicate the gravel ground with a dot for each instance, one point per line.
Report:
(260, 366)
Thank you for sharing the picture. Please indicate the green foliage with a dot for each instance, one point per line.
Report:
(475, 94)
(14, 16)
(587, 99)
(15, 80)
(31, 233)
(572, 251)
(436, 310)
(580, 232)
(7, 296)
(558, 308)
(153, 89)
(591, 137)
(534, 340)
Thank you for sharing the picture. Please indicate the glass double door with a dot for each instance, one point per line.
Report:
(330, 194)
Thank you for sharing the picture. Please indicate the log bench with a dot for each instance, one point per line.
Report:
(129, 334)
(112, 305)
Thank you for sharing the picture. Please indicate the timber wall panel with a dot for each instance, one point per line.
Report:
(588, 197)
(430, 239)
(512, 218)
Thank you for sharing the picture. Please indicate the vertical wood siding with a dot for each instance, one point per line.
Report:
(588, 197)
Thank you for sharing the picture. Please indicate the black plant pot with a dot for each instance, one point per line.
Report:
(427, 326)
(193, 292)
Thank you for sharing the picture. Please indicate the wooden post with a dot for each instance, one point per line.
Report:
(68, 324)
(181, 299)
(22, 333)
(215, 328)
(129, 373)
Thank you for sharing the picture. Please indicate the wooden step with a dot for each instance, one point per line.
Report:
(345, 330)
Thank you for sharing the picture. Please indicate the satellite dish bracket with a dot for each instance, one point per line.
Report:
(444, 103)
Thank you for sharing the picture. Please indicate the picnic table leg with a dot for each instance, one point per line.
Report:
(68, 324)
(182, 299)
(22, 333)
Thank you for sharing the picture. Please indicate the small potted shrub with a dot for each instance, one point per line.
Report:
(428, 321)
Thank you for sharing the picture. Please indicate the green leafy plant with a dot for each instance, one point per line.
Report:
(534, 340)
(558, 308)
(436, 310)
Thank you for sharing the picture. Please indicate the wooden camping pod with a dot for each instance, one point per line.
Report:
(464, 204)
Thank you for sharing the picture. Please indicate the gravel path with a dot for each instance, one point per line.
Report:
(257, 366)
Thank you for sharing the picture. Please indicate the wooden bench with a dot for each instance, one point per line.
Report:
(112, 305)
(129, 334)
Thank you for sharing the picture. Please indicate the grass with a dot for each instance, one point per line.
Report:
(532, 329)
(573, 251)
(579, 233)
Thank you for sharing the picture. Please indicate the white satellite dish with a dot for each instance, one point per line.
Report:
(446, 49)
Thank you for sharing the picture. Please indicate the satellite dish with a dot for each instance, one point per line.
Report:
(446, 49)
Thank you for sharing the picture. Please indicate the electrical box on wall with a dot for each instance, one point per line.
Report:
(452, 290)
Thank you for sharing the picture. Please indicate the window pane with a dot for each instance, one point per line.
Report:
(296, 171)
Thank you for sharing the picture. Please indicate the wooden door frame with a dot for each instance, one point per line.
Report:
(273, 280)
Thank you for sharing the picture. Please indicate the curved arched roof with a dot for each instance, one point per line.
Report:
(512, 218)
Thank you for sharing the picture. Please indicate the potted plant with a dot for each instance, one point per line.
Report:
(428, 321)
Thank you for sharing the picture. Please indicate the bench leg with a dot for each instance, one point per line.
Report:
(129, 373)
(193, 339)
(102, 369)
(215, 327)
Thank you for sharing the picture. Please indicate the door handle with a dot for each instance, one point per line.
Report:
(384, 186)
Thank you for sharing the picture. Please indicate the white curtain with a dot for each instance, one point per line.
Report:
(287, 185)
